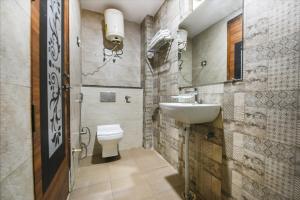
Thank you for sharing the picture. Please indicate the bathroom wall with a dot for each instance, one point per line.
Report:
(75, 79)
(16, 174)
(126, 71)
(147, 83)
(186, 73)
(261, 134)
(123, 77)
(128, 115)
(260, 150)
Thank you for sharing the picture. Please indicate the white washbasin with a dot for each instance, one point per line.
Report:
(191, 113)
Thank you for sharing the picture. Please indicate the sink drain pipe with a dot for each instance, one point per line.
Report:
(188, 195)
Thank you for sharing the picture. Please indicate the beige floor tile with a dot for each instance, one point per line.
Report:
(125, 154)
(151, 162)
(123, 168)
(174, 194)
(101, 191)
(140, 174)
(141, 152)
(91, 175)
(131, 188)
(163, 179)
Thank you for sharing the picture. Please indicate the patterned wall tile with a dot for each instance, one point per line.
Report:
(256, 53)
(272, 99)
(284, 19)
(228, 144)
(279, 177)
(281, 125)
(285, 46)
(238, 153)
(258, 191)
(283, 73)
(271, 46)
(297, 187)
(270, 149)
(228, 106)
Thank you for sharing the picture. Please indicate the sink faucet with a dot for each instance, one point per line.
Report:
(196, 96)
(197, 100)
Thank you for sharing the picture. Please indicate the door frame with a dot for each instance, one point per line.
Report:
(59, 186)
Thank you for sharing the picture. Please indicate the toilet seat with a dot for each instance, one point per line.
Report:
(109, 132)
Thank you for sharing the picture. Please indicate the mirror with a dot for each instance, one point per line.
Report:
(210, 42)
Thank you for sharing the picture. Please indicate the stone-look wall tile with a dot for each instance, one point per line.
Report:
(238, 139)
(256, 76)
(125, 71)
(253, 166)
(236, 178)
(255, 121)
(16, 171)
(256, 30)
(236, 191)
(19, 184)
(14, 39)
(96, 113)
(15, 148)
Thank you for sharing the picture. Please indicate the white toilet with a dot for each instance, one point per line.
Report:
(109, 136)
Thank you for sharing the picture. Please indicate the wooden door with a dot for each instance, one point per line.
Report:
(50, 98)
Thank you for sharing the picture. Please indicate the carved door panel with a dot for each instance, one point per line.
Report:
(52, 64)
(51, 111)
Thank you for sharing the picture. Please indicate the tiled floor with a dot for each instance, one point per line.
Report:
(139, 175)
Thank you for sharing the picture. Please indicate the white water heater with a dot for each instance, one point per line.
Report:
(114, 25)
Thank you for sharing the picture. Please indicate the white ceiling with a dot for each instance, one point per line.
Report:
(208, 13)
(133, 10)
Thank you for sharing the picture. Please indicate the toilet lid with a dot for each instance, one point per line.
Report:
(106, 130)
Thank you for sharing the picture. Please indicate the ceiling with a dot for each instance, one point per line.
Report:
(133, 10)
(208, 13)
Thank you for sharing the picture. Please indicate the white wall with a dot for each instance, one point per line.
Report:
(128, 115)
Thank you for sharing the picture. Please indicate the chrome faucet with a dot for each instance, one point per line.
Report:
(197, 100)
